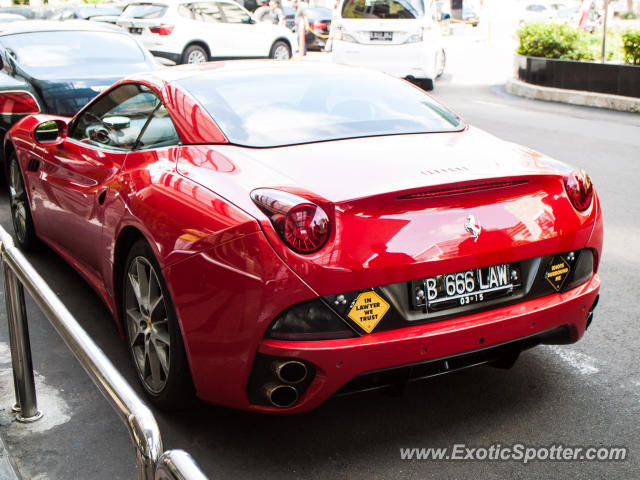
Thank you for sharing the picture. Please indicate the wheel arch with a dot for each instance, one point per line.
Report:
(281, 39)
(8, 149)
(199, 43)
(126, 238)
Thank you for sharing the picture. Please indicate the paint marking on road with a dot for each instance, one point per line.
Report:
(585, 364)
(492, 104)
(55, 408)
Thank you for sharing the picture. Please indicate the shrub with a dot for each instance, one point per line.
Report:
(551, 40)
(631, 46)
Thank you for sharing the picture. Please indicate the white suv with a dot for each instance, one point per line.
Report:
(197, 31)
(398, 37)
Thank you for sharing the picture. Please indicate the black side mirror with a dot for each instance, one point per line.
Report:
(50, 132)
(446, 16)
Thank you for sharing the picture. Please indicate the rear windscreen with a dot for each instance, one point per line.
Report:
(286, 106)
(144, 10)
(67, 47)
(383, 9)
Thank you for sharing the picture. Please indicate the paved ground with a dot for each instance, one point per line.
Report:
(582, 394)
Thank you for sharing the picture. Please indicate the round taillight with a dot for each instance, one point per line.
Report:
(579, 189)
(306, 228)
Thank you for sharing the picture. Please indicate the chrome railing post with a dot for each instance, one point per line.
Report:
(22, 363)
(19, 275)
(178, 465)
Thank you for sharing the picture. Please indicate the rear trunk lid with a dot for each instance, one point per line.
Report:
(399, 204)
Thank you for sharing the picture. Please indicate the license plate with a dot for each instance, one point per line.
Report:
(385, 36)
(135, 31)
(471, 286)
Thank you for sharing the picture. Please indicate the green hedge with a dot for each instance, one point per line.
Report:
(631, 46)
(551, 40)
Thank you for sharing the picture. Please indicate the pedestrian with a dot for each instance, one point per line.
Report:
(301, 24)
(334, 16)
(276, 13)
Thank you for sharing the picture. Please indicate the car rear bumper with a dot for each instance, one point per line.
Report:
(415, 60)
(337, 363)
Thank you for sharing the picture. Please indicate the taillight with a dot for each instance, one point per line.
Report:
(302, 225)
(163, 29)
(317, 25)
(579, 189)
(18, 103)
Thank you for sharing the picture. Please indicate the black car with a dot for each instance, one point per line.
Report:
(319, 22)
(57, 67)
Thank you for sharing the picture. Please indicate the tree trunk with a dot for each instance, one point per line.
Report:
(629, 6)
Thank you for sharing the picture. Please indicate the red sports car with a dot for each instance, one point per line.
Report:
(268, 235)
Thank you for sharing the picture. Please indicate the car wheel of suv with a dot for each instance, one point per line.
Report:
(153, 333)
(280, 51)
(441, 60)
(20, 210)
(195, 54)
(426, 84)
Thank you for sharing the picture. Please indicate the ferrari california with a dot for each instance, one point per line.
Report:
(344, 233)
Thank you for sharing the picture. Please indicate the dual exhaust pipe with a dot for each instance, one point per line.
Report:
(289, 373)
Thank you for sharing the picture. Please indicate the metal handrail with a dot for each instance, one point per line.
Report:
(141, 424)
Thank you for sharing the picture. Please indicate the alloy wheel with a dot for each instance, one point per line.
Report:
(147, 324)
(18, 200)
(196, 56)
(281, 53)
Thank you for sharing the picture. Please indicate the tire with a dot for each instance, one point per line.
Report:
(194, 54)
(280, 51)
(425, 84)
(20, 210)
(152, 331)
(441, 61)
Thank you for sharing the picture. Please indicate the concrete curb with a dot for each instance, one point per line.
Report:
(574, 97)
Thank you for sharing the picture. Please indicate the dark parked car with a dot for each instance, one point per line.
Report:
(57, 67)
(319, 22)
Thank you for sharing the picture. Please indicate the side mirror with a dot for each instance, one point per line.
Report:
(446, 16)
(249, 20)
(51, 132)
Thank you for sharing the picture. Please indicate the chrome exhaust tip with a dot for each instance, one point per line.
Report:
(281, 396)
(290, 371)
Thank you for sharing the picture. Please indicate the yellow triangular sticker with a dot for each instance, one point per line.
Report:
(368, 310)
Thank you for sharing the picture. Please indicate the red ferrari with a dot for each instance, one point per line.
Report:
(268, 235)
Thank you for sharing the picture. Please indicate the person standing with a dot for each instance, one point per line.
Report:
(334, 15)
(302, 24)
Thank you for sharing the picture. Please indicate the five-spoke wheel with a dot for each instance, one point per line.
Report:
(153, 333)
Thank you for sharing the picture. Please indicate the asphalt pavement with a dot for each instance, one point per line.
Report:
(586, 394)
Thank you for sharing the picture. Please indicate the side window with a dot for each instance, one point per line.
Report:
(207, 12)
(159, 131)
(116, 120)
(185, 11)
(234, 14)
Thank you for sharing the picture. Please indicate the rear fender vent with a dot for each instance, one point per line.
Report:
(475, 187)
(33, 165)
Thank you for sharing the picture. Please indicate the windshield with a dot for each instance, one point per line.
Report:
(289, 106)
(383, 9)
(64, 48)
(144, 10)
